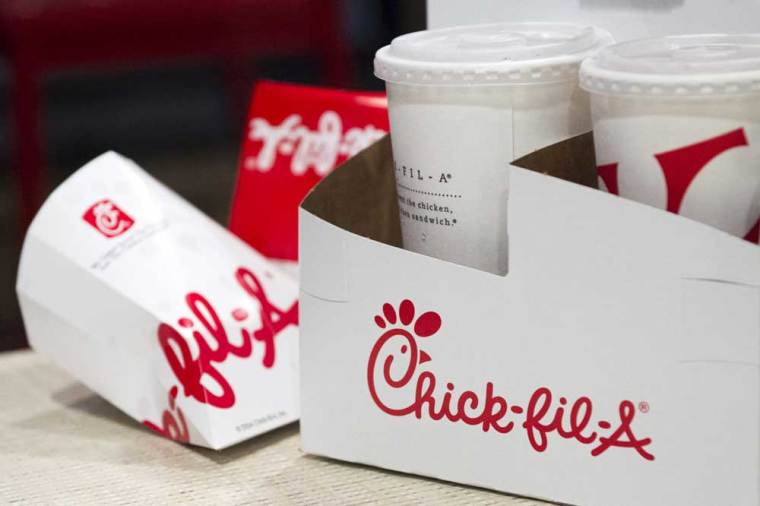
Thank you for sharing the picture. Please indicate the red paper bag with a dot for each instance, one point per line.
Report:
(295, 136)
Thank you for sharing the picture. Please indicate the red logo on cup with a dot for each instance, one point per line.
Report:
(681, 166)
(108, 218)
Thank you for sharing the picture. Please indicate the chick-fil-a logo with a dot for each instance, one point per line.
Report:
(173, 424)
(108, 218)
(198, 371)
(681, 166)
(543, 416)
(318, 149)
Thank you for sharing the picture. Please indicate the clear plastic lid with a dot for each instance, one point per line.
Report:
(683, 65)
(489, 54)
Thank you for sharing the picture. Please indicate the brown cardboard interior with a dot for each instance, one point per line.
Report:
(360, 195)
(572, 160)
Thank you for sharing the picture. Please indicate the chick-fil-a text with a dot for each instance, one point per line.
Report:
(414, 392)
(213, 342)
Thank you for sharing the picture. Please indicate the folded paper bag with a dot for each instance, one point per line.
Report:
(159, 309)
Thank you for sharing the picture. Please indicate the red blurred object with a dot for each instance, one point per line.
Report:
(38, 36)
(296, 135)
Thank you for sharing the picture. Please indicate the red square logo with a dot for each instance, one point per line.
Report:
(108, 218)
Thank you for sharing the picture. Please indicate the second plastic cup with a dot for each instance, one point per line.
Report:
(677, 126)
(463, 103)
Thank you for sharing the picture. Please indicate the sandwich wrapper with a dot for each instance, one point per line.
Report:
(160, 310)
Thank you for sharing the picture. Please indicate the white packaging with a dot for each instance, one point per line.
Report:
(677, 126)
(160, 310)
(634, 329)
(463, 102)
(624, 19)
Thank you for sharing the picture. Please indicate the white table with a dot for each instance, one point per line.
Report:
(60, 443)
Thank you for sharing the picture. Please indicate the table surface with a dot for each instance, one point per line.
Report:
(61, 443)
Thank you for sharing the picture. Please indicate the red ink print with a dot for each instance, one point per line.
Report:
(627, 412)
(538, 425)
(213, 343)
(390, 313)
(609, 174)
(681, 166)
(396, 364)
(406, 311)
(108, 218)
(239, 314)
(754, 233)
(173, 425)
(427, 325)
(273, 319)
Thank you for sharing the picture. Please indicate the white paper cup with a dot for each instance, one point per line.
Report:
(463, 103)
(677, 126)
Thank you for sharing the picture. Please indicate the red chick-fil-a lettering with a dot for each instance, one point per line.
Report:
(394, 367)
(173, 424)
(213, 344)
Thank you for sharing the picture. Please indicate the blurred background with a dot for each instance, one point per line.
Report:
(165, 82)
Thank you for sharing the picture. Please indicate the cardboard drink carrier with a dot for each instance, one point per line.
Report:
(616, 362)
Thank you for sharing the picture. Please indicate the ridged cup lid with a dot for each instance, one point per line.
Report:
(683, 65)
(489, 54)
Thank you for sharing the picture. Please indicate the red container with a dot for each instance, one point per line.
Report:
(296, 135)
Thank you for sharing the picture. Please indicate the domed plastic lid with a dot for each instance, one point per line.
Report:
(489, 54)
(684, 65)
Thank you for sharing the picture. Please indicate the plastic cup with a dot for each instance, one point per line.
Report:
(677, 126)
(463, 103)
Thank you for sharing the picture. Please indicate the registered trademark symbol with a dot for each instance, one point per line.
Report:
(644, 407)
